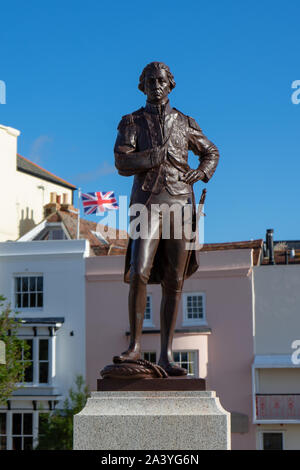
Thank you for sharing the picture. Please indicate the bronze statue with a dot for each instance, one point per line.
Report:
(152, 144)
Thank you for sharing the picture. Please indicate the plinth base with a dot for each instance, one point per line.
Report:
(174, 384)
(152, 420)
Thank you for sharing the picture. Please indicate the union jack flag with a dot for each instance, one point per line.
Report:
(96, 203)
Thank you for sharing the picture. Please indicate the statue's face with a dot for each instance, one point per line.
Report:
(157, 85)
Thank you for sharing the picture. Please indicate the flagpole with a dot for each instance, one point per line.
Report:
(78, 216)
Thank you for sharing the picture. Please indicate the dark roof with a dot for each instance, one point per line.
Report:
(280, 249)
(290, 244)
(26, 166)
(281, 259)
(232, 245)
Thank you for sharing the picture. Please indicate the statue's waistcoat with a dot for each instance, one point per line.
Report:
(150, 133)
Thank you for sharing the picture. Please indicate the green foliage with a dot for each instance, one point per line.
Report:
(13, 371)
(56, 429)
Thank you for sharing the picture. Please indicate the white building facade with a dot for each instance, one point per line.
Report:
(45, 282)
(25, 188)
(276, 367)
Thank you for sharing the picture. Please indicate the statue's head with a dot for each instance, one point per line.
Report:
(156, 81)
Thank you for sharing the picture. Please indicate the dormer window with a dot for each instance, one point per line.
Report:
(52, 231)
(54, 234)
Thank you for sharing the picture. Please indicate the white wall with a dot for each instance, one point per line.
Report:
(30, 200)
(277, 308)
(8, 153)
(278, 380)
(277, 326)
(21, 199)
(63, 268)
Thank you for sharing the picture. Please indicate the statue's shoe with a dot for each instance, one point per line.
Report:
(131, 355)
(173, 370)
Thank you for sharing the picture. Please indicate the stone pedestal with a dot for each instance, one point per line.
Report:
(152, 420)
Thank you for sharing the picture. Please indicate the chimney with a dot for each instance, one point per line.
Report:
(66, 206)
(270, 245)
(52, 198)
(53, 205)
(286, 255)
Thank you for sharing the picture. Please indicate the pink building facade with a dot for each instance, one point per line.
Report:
(214, 330)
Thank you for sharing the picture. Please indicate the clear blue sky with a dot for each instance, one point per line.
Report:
(71, 70)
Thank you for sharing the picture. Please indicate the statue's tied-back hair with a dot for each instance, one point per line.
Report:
(156, 65)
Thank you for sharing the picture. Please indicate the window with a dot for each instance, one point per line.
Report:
(52, 231)
(38, 358)
(193, 309)
(149, 356)
(3, 427)
(148, 321)
(43, 368)
(20, 428)
(22, 431)
(55, 234)
(100, 237)
(29, 292)
(272, 441)
(186, 359)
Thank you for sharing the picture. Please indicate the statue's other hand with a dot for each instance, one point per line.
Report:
(193, 176)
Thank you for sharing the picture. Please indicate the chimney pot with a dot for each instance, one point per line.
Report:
(53, 198)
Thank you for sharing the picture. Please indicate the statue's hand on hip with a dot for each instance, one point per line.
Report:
(192, 176)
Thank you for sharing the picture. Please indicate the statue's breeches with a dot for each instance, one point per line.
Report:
(166, 237)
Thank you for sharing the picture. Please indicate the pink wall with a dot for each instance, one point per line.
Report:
(224, 356)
